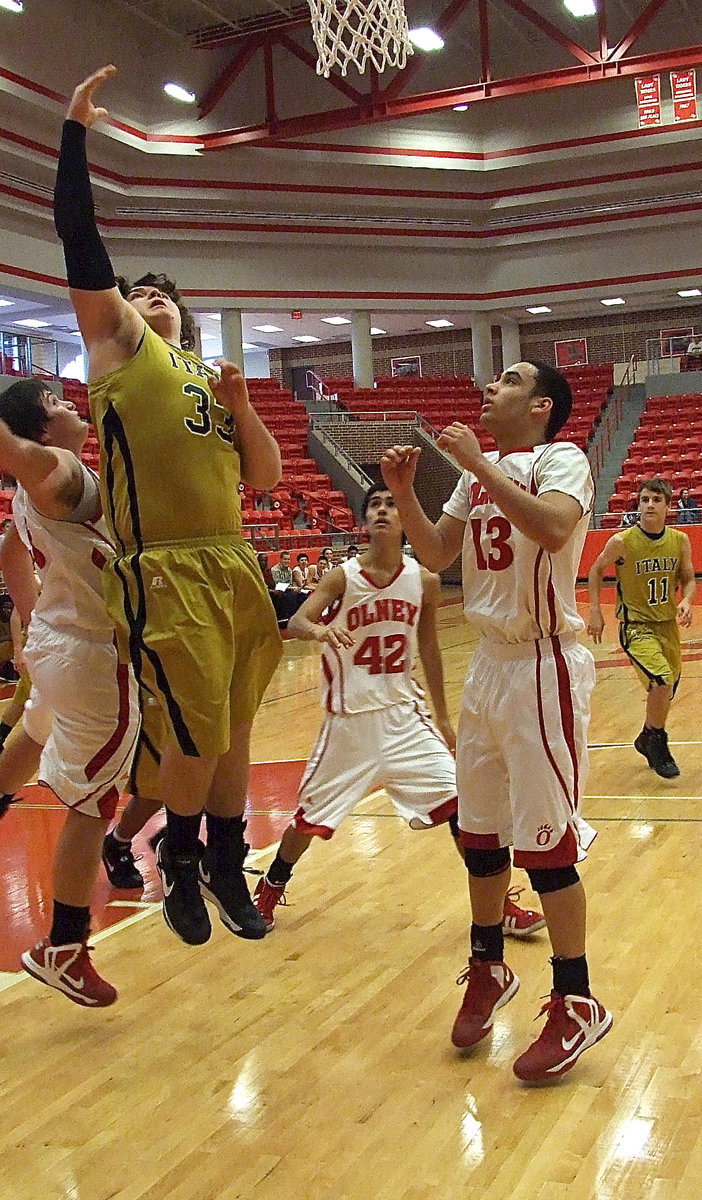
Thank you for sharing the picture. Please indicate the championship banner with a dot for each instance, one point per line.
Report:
(683, 85)
(648, 100)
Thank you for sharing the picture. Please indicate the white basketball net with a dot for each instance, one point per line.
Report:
(349, 31)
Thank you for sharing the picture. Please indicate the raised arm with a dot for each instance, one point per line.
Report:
(261, 465)
(52, 477)
(103, 314)
(305, 624)
(430, 655)
(435, 546)
(613, 552)
(688, 583)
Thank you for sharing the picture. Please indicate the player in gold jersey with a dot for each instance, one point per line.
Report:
(651, 561)
(188, 600)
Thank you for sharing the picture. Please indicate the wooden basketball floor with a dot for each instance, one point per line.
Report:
(316, 1065)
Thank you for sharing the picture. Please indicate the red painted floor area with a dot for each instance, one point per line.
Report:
(30, 830)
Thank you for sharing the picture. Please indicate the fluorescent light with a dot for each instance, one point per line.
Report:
(336, 320)
(176, 92)
(426, 39)
(613, 300)
(687, 292)
(440, 324)
(12, 5)
(460, 108)
(249, 346)
(375, 331)
(540, 308)
(581, 8)
(268, 328)
(32, 324)
(6, 303)
(306, 337)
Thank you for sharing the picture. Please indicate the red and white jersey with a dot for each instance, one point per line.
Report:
(69, 557)
(377, 670)
(513, 590)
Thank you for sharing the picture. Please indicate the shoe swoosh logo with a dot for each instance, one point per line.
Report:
(168, 888)
(204, 874)
(568, 1043)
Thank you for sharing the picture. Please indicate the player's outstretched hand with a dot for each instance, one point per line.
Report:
(398, 467)
(230, 389)
(81, 107)
(685, 613)
(333, 635)
(595, 625)
(460, 441)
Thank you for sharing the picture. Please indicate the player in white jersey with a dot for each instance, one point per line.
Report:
(377, 732)
(81, 720)
(520, 516)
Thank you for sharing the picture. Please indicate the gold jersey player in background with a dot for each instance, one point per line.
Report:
(651, 561)
(188, 600)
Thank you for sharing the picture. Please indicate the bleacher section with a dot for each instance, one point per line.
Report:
(668, 442)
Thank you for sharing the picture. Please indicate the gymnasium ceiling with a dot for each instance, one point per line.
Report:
(546, 160)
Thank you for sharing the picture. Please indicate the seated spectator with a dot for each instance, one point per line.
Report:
(328, 555)
(304, 574)
(694, 349)
(688, 511)
(283, 574)
(266, 571)
(351, 551)
(631, 517)
(323, 565)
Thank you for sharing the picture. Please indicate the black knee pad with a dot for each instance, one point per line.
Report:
(553, 880)
(484, 863)
(453, 825)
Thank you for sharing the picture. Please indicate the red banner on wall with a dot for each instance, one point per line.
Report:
(648, 100)
(683, 85)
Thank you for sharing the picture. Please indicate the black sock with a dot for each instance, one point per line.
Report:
(182, 833)
(279, 871)
(487, 943)
(453, 825)
(570, 976)
(70, 925)
(225, 840)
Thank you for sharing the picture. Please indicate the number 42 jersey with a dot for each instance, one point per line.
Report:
(514, 590)
(377, 670)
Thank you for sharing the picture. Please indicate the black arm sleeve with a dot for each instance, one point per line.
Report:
(88, 264)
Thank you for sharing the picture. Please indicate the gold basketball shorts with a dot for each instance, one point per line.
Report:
(653, 648)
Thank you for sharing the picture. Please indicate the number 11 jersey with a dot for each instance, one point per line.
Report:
(514, 590)
(377, 670)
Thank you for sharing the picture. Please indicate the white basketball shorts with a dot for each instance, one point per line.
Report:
(83, 710)
(521, 753)
(397, 748)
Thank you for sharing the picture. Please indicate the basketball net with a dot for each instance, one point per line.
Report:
(349, 31)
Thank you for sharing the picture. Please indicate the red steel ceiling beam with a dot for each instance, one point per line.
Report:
(639, 27)
(229, 75)
(552, 31)
(385, 109)
(310, 61)
(447, 19)
(485, 68)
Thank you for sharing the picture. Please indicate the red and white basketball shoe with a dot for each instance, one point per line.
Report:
(573, 1025)
(517, 921)
(69, 970)
(266, 897)
(491, 985)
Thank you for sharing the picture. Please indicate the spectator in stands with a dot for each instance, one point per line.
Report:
(328, 554)
(266, 571)
(688, 512)
(631, 517)
(694, 349)
(323, 565)
(351, 551)
(304, 574)
(283, 574)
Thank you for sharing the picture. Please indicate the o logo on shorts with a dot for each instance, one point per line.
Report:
(543, 835)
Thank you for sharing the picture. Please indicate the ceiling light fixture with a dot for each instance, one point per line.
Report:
(581, 8)
(613, 300)
(684, 294)
(426, 39)
(539, 308)
(306, 337)
(460, 108)
(268, 328)
(176, 92)
(6, 303)
(440, 324)
(375, 331)
(336, 320)
(31, 323)
(15, 6)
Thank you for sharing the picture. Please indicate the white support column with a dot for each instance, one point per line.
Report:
(362, 350)
(232, 337)
(511, 344)
(481, 337)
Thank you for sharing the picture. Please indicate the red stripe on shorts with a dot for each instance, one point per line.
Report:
(542, 721)
(562, 855)
(112, 745)
(302, 826)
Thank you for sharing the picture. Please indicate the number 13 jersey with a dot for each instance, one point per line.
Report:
(513, 589)
(377, 670)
